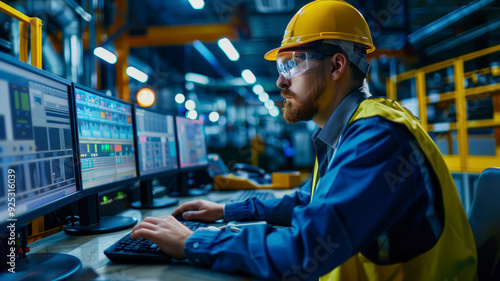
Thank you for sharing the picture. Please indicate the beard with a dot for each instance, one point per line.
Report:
(304, 108)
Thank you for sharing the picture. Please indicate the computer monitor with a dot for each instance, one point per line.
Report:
(107, 157)
(37, 171)
(192, 153)
(192, 147)
(156, 153)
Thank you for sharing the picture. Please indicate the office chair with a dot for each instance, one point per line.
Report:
(484, 219)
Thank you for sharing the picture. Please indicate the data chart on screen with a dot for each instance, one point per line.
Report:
(156, 149)
(191, 138)
(106, 141)
(36, 145)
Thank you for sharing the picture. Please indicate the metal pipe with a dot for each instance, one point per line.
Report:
(462, 38)
(447, 20)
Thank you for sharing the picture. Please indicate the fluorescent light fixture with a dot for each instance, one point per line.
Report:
(75, 47)
(213, 116)
(180, 98)
(196, 78)
(269, 104)
(190, 105)
(228, 49)
(258, 89)
(137, 74)
(192, 114)
(274, 111)
(197, 4)
(236, 81)
(105, 55)
(263, 97)
(248, 76)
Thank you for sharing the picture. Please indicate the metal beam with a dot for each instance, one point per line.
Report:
(122, 49)
(211, 59)
(466, 36)
(447, 20)
(179, 35)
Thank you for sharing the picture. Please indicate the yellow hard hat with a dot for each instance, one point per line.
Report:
(325, 19)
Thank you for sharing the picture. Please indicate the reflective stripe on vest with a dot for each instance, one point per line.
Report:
(453, 257)
(315, 178)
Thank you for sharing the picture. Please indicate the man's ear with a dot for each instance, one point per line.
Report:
(338, 66)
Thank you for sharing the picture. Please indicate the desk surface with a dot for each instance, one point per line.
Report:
(96, 266)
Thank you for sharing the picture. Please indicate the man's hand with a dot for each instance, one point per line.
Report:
(200, 210)
(166, 232)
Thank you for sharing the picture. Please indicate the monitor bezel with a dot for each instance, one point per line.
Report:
(108, 186)
(159, 174)
(67, 199)
(193, 168)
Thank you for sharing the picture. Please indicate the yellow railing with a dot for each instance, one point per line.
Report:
(461, 162)
(35, 25)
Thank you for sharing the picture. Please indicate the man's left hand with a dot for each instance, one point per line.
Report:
(166, 232)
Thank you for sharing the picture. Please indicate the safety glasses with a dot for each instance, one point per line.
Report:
(292, 63)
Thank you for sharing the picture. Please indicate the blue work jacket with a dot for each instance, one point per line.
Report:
(374, 196)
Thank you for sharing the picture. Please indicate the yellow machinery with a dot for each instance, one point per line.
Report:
(459, 95)
(280, 180)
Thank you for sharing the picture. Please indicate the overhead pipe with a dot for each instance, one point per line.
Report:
(446, 20)
(462, 38)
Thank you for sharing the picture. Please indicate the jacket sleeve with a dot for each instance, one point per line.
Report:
(354, 203)
(274, 211)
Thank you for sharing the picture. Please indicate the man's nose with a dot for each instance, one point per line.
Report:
(282, 83)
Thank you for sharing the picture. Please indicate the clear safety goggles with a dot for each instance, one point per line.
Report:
(292, 63)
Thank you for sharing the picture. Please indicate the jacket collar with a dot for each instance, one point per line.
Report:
(333, 128)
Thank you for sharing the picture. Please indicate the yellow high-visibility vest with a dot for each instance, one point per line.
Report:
(453, 257)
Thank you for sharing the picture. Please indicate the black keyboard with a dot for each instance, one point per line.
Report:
(243, 195)
(141, 250)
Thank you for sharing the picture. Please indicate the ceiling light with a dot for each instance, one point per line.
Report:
(248, 76)
(258, 89)
(192, 114)
(190, 105)
(180, 98)
(145, 97)
(137, 74)
(269, 103)
(196, 78)
(214, 116)
(189, 86)
(228, 49)
(197, 4)
(274, 112)
(104, 54)
(263, 97)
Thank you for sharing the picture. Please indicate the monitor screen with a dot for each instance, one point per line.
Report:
(191, 138)
(105, 137)
(36, 144)
(156, 146)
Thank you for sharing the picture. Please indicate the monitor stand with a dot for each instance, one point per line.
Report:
(51, 266)
(26, 266)
(148, 201)
(183, 187)
(91, 223)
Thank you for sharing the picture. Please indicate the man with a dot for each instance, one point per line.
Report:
(381, 204)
